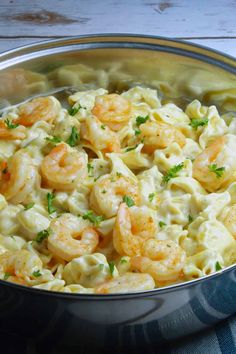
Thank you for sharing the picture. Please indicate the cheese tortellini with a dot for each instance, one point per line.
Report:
(118, 193)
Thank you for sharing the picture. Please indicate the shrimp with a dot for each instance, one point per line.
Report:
(20, 265)
(113, 110)
(219, 154)
(40, 108)
(159, 135)
(125, 283)
(108, 192)
(133, 226)
(71, 237)
(63, 167)
(163, 260)
(99, 136)
(18, 133)
(17, 177)
(230, 220)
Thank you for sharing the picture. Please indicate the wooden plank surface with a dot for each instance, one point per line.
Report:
(174, 18)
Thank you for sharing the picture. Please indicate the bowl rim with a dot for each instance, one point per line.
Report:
(129, 295)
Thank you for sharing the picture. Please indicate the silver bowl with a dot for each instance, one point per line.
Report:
(180, 72)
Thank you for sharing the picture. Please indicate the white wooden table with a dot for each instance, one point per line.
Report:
(206, 22)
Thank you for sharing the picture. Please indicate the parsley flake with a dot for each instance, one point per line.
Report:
(95, 219)
(51, 208)
(217, 170)
(118, 174)
(161, 224)
(90, 168)
(195, 123)
(10, 125)
(151, 197)
(111, 267)
(137, 131)
(173, 172)
(74, 137)
(42, 235)
(101, 266)
(7, 275)
(123, 261)
(190, 218)
(74, 110)
(53, 140)
(37, 274)
(29, 206)
(131, 148)
(140, 120)
(103, 127)
(218, 266)
(128, 200)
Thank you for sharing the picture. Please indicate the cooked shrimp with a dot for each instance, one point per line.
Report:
(63, 167)
(71, 237)
(125, 283)
(163, 260)
(20, 265)
(133, 227)
(18, 133)
(221, 155)
(113, 110)
(40, 108)
(230, 220)
(108, 192)
(100, 136)
(159, 135)
(17, 177)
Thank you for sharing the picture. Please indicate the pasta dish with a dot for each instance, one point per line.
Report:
(119, 193)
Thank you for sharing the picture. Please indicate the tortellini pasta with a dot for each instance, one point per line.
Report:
(119, 193)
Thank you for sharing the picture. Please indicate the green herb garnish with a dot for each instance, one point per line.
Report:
(118, 174)
(173, 172)
(29, 206)
(53, 140)
(128, 200)
(190, 218)
(10, 125)
(151, 197)
(195, 123)
(101, 266)
(218, 266)
(51, 208)
(103, 127)
(131, 148)
(123, 261)
(95, 219)
(90, 168)
(37, 274)
(161, 224)
(137, 131)
(74, 137)
(217, 170)
(7, 275)
(42, 235)
(111, 267)
(140, 120)
(73, 110)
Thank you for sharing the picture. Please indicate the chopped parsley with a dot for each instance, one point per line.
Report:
(104, 191)
(10, 125)
(195, 123)
(73, 110)
(131, 148)
(111, 267)
(101, 266)
(118, 174)
(123, 261)
(51, 208)
(190, 218)
(161, 224)
(29, 206)
(7, 275)
(74, 137)
(90, 168)
(95, 219)
(140, 120)
(217, 170)
(128, 200)
(173, 172)
(137, 131)
(37, 274)
(42, 235)
(53, 140)
(218, 266)
(103, 127)
(151, 197)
